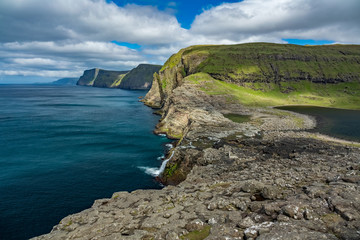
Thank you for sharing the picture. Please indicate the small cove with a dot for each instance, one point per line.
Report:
(340, 123)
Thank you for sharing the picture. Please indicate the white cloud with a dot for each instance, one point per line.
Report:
(163, 50)
(45, 37)
(52, 58)
(36, 62)
(60, 38)
(84, 20)
(265, 20)
(43, 73)
(88, 49)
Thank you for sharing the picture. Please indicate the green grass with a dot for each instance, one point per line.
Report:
(163, 84)
(237, 118)
(170, 170)
(265, 61)
(199, 78)
(341, 95)
(117, 82)
(266, 74)
(197, 235)
(268, 62)
(173, 60)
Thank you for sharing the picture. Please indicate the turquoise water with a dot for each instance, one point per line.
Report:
(63, 147)
(339, 123)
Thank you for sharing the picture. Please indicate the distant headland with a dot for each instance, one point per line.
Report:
(139, 78)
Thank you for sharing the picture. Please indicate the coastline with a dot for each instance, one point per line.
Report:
(260, 179)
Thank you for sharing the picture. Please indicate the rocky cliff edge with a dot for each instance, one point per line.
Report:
(257, 176)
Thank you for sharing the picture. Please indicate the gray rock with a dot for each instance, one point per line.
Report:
(246, 223)
(195, 225)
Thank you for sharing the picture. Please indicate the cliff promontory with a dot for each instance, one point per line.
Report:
(263, 74)
(138, 78)
(101, 78)
(242, 170)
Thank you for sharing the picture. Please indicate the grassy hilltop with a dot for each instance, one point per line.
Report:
(265, 74)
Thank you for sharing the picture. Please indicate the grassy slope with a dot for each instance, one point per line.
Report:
(117, 82)
(263, 74)
(265, 62)
(342, 95)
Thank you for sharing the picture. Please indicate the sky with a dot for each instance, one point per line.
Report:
(44, 40)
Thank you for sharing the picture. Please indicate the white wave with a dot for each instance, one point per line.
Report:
(155, 172)
(169, 146)
(150, 171)
(162, 135)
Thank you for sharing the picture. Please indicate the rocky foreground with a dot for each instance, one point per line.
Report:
(263, 179)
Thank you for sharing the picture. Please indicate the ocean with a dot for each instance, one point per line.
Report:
(62, 147)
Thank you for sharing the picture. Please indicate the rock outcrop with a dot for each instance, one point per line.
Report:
(266, 178)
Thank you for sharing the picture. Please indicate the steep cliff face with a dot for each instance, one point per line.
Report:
(88, 78)
(169, 77)
(140, 77)
(108, 79)
(260, 66)
(275, 63)
(101, 78)
(261, 74)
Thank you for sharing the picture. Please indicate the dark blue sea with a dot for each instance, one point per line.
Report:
(63, 147)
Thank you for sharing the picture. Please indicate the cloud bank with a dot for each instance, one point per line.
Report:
(60, 38)
(264, 20)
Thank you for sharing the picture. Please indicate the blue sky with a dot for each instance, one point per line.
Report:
(47, 40)
(185, 11)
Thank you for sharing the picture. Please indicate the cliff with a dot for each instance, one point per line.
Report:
(267, 74)
(108, 79)
(101, 78)
(140, 77)
(241, 171)
(88, 78)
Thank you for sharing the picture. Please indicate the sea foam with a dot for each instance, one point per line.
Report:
(155, 172)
